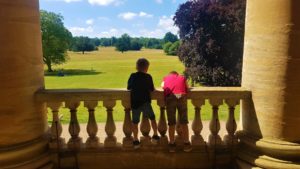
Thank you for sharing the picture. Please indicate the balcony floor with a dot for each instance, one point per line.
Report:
(119, 131)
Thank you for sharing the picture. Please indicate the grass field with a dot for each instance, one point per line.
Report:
(108, 68)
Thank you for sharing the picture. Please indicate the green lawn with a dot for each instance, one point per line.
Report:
(108, 68)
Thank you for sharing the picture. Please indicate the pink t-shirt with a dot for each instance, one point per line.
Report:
(174, 84)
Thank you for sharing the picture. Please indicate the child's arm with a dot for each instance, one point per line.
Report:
(129, 83)
(151, 84)
(186, 85)
(162, 84)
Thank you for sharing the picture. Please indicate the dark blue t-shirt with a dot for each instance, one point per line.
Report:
(140, 85)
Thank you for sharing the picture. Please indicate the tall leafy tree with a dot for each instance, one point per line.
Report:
(123, 43)
(171, 48)
(96, 41)
(167, 47)
(83, 44)
(135, 44)
(170, 37)
(174, 48)
(212, 40)
(55, 39)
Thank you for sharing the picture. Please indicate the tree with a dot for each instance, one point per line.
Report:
(167, 47)
(212, 40)
(171, 48)
(135, 44)
(113, 41)
(105, 42)
(55, 39)
(123, 43)
(174, 48)
(96, 42)
(170, 37)
(152, 43)
(83, 44)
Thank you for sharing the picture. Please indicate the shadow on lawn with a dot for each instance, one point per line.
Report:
(72, 72)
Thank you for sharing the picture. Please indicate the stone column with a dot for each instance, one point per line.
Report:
(270, 136)
(22, 119)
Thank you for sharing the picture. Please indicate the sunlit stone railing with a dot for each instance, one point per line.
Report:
(71, 99)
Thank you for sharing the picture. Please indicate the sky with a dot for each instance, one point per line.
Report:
(106, 18)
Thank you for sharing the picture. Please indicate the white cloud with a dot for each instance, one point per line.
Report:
(67, 1)
(159, 1)
(157, 33)
(164, 25)
(114, 32)
(89, 21)
(127, 15)
(105, 2)
(167, 24)
(132, 15)
(162, 1)
(82, 31)
(146, 15)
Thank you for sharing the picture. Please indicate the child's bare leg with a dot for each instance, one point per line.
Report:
(135, 131)
(154, 127)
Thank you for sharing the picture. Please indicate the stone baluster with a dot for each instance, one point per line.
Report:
(75, 141)
(128, 139)
(92, 127)
(197, 126)
(162, 123)
(230, 139)
(56, 128)
(145, 129)
(110, 127)
(214, 138)
(178, 137)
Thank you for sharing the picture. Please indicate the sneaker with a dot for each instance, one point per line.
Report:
(172, 147)
(187, 147)
(155, 139)
(136, 144)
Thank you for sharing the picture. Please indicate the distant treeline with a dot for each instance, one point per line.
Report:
(151, 43)
(123, 43)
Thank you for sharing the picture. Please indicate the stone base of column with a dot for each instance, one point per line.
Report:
(92, 142)
(128, 142)
(244, 165)
(31, 155)
(110, 142)
(179, 141)
(163, 142)
(146, 142)
(267, 153)
(75, 143)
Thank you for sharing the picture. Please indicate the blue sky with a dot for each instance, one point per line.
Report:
(106, 18)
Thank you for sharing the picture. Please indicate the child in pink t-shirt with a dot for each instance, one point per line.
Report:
(175, 90)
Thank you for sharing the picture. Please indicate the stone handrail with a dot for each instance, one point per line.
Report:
(91, 97)
(123, 94)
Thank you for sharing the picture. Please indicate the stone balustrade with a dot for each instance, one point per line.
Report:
(71, 99)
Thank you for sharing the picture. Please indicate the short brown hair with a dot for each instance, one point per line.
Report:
(174, 72)
(142, 64)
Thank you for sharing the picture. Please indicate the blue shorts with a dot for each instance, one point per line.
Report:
(147, 110)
